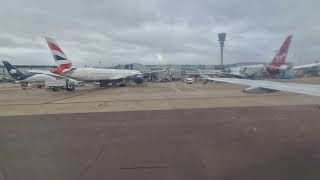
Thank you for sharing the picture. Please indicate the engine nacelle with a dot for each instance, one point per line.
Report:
(258, 90)
(139, 80)
(284, 67)
(299, 73)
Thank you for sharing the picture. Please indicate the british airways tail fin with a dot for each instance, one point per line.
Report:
(281, 55)
(59, 56)
(14, 72)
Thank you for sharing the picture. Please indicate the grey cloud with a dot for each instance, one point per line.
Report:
(182, 31)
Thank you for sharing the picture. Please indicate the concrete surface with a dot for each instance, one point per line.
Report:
(162, 96)
(211, 131)
(278, 143)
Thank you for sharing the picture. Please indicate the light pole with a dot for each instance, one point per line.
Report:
(222, 39)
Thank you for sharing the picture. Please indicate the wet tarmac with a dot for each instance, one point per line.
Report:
(279, 142)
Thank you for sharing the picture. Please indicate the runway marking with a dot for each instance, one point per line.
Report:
(176, 89)
(9, 89)
(144, 167)
(192, 88)
(73, 95)
(100, 152)
(151, 99)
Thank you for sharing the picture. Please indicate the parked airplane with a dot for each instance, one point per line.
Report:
(103, 76)
(25, 79)
(260, 70)
(38, 78)
(305, 66)
(261, 86)
(313, 68)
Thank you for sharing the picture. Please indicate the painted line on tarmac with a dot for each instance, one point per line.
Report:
(197, 90)
(161, 99)
(9, 89)
(151, 99)
(176, 89)
(74, 95)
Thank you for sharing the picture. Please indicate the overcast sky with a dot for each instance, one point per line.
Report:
(141, 31)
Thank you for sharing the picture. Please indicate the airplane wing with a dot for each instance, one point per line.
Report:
(306, 66)
(47, 73)
(308, 89)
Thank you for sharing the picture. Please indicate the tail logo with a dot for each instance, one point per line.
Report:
(54, 47)
(57, 52)
(62, 61)
(280, 58)
(13, 71)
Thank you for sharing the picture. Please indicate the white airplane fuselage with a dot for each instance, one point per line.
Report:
(99, 74)
(247, 71)
(38, 78)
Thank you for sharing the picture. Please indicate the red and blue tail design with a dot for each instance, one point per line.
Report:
(62, 61)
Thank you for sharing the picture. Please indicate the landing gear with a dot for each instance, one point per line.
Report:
(54, 89)
(103, 83)
(24, 84)
(40, 86)
(121, 83)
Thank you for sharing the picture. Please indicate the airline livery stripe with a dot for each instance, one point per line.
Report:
(62, 68)
(59, 62)
(58, 58)
(53, 46)
(59, 54)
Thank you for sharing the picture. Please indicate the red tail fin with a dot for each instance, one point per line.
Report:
(281, 55)
(59, 56)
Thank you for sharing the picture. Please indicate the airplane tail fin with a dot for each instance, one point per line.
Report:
(14, 72)
(281, 55)
(63, 62)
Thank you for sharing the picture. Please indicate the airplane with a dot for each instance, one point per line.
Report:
(305, 66)
(273, 69)
(25, 79)
(313, 68)
(262, 86)
(37, 78)
(103, 76)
